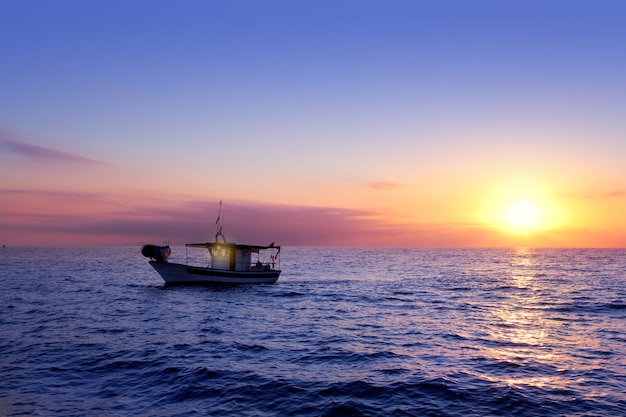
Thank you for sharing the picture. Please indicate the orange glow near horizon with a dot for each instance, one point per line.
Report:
(443, 213)
(36, 219)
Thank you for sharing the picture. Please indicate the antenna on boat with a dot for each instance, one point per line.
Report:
(218, 225)
(219, 213)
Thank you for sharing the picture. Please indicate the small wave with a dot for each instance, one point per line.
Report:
(249, 348)
(583, 306)
(345, 357)
(461, 289)
(212, 330)
(289, 294)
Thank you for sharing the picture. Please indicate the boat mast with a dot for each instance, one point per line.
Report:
(218, 226)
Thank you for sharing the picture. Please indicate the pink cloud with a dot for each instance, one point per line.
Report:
(15, 146)
(597, 195)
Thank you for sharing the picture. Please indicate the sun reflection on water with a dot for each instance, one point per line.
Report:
(520, 333)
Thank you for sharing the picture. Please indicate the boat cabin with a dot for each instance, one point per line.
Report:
(233, 257)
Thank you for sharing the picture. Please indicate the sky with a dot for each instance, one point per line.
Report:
(319, 123)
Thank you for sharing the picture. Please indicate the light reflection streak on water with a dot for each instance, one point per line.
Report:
(537, 337)
(522, 333)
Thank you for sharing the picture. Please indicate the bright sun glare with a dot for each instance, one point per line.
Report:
(522, 215)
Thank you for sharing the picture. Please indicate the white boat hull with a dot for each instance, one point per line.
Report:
(173, 274)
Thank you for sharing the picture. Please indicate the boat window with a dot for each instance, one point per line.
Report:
(220, 252)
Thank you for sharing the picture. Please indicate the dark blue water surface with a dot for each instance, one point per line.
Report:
(350, 332)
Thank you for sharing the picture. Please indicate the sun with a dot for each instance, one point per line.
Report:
(525, 208)
(522, 215)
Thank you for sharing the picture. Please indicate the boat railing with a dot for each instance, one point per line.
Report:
(262, 264)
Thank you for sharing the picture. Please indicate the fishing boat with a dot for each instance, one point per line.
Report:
(230, 263)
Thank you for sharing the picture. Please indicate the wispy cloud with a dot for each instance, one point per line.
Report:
(616, 194)
(597, 195)
(9, 143)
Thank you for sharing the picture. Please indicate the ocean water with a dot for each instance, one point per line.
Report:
(344, 332)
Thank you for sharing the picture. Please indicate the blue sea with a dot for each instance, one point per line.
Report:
(344, 332)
